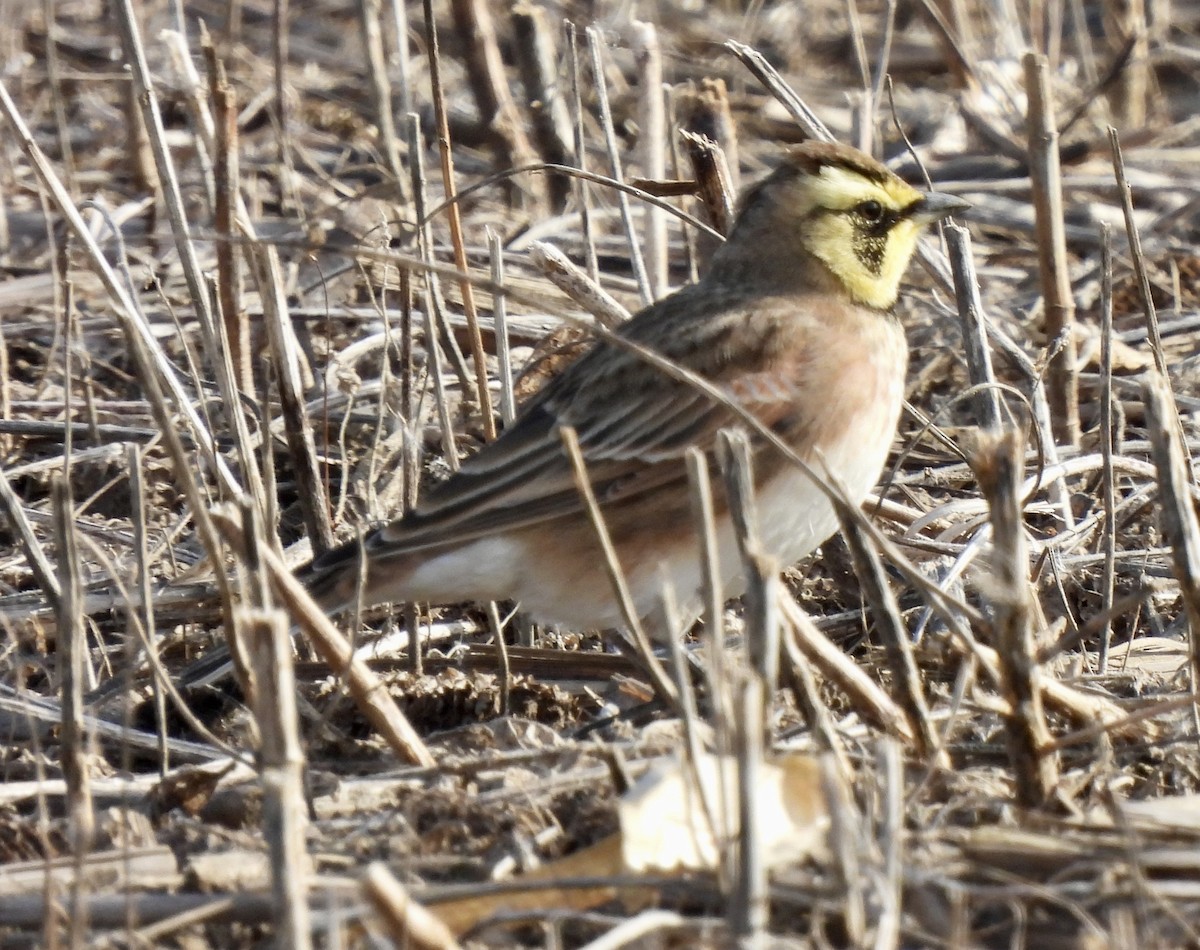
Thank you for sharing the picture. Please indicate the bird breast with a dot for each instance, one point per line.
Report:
(845, 424)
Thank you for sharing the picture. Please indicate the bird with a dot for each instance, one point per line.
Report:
(794, 321)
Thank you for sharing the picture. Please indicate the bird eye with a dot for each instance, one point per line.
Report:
(870, 211)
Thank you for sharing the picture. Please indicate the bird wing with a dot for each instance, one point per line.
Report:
(634, 425)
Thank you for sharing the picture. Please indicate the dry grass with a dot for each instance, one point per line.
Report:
(293, 331)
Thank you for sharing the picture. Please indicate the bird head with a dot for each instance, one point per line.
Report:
(853, 214)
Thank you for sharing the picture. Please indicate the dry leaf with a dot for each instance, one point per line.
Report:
(1125, 358)
(664, 829)
(665, 825)
(1162, 656)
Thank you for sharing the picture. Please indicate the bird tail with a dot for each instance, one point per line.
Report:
(333, 579)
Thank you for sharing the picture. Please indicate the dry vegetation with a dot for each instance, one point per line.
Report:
(1028, 775)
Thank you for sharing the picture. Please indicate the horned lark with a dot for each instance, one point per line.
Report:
(794, 321)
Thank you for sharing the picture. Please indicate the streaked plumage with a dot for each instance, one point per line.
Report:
(793, 320)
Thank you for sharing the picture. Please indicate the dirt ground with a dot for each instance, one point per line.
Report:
(984, 731)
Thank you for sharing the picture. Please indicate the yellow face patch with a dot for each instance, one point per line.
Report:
(859, 227)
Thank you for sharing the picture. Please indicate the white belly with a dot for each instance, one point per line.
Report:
(794, 516)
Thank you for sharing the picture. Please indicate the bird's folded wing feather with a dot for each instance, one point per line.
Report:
(632, 442)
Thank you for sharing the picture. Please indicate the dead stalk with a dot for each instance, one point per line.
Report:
(889, 625)
(998, 461)
(281, 771)
(652, 143)
(537, 63)
(663, 687)
(1108, 478)
(636, 259)
(454, 216)
(485, 72)
(575, 283)
(369, 12)
(1061, 375)
(1179, 522)
(974, 326)
(408, 923)
(226, 192)
(72, 659)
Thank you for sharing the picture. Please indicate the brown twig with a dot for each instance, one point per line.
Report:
(714, 182)
(637, 260)
(141, 160)
(1107, 478)
(806, 644)
(432, 293)
(1140, 271)
(749, 905)
(281, 770)
(282, 339)
(892, 840)
(537, 63)
(380, 88)
(454, 217)
(663, 686)
(998, 462)
(135, 56)
(572, 281)
(974, 326)
(508, 406)
(1179, 522)
(715, 189)
(704, 522)
(847, 830)
(761, 570)
(652, 140)
(705, 110)
(885, 612)
(72, 656)
(485, 72)
(754, 61)
(226, 186)
(137, 505)
(1061, 374)
(579, 140)
(408, 923)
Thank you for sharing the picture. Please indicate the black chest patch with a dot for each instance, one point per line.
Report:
(870, 239)
(870, 249)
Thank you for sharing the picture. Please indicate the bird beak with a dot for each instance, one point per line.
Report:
(934, 206)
